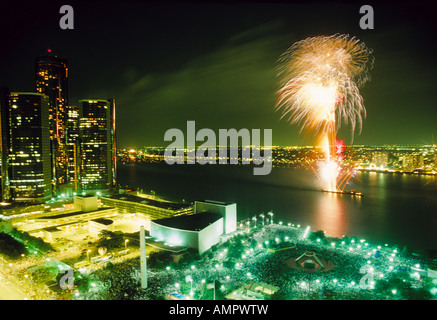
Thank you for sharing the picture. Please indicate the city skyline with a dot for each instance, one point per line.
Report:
(223, 75)
(49, 147)
(405, 159)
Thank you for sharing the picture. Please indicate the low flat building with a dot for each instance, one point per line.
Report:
(85, 203)
(227, 210)
(78, 216)
(52, 233)
(95, 226)
(86, 210)
(149, 208)
(199, 231)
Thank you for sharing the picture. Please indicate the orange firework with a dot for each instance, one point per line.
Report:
(320, 78)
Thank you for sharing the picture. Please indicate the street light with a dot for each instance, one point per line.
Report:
(189, 278)
(211, 286)
(254, 219)
(125, 243)
(271, 217)
(262, 216)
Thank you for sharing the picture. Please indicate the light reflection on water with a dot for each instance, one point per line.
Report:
(331, 214)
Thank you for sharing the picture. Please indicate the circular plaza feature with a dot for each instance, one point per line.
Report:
(309, 261)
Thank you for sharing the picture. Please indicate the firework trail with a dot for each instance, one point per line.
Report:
(320, 77)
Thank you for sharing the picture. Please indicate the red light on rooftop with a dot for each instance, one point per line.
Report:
(49, 50)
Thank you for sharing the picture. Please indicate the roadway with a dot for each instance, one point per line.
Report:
(10, 290)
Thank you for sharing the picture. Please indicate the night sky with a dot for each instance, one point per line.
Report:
(215, 62)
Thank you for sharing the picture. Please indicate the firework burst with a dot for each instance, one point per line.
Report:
(320, 77)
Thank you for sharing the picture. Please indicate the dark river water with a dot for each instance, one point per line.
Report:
(396, 208)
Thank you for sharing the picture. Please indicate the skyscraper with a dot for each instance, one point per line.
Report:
(4, 144)
(72, 133)
(114, 144)
(29, 143)
(51, 75)
(97, 144)
(380, 159)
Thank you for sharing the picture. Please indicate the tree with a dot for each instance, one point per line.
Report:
(235, 251)
(417, 294)
(253, 244)
(278, 295)
(11, 247)
(79, 281)
(319, 234)
(189, 257)
(110, 239)
(406, 253)
(218, 292)
(355, 239)
(159, 259)
(82, 282)
(209, 254)
(31, 241)
(5, 226)
(396, 281)
(228, 263)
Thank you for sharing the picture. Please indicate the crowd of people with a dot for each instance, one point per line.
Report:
(356, 263)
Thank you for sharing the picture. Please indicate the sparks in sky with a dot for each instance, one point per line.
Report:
(320, 77)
